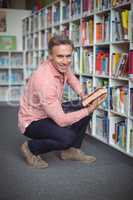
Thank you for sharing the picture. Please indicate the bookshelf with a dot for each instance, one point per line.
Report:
(102, 32)
(11, 75)
(11, 56)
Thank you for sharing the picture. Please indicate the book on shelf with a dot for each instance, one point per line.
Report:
(76, 61)
(87, 29)
(87, 85)
(102, 125)
(131, 64)
(115, 58)
(106, 33)
(16, 59)
(56, 30)
(102, 4)
(132, 25)
(124, 16)
(65, 11)
(65, 30)
(4, 60)
(16, 76)
(75, 6)
(104, 83)
(49, 16)
(117, 27)
(120, 133)
(4, 77)
(87, 61)
(99, 35)
(120, 25)
(131, 102)
(56, 13)
(103, 28)
(75, 34)
(102, 61)
(119, 99)
(121, 67)
(131, 141)
(88, 6)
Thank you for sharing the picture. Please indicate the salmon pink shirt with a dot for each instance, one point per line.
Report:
(43, 94)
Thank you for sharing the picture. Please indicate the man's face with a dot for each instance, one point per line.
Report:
(61, 57)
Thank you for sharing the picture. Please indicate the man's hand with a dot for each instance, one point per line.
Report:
(82, 95)
(93, 105)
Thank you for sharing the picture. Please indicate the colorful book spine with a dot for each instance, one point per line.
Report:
(120, 133)
(131, 102)
(102, 61)
(99, 32)
(88, 5)
(87, 61)
(119, 99)
(130, 64)
(87, 31)
(124, 17)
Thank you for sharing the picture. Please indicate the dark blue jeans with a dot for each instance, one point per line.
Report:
(47, 136)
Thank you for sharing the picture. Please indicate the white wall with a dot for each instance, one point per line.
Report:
(14, 24)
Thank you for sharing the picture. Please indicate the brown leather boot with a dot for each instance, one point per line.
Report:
(76, 154)
(31, 159)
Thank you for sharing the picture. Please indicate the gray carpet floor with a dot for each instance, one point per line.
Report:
(110, 178)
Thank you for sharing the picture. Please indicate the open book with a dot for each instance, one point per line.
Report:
(94, 95)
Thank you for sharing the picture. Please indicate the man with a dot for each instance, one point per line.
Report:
(41, 115)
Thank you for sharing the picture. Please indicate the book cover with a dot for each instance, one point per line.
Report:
(94, 95)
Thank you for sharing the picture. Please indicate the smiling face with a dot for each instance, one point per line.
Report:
(61, 57)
